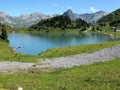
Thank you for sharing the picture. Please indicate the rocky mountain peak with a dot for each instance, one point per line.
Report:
(102, 12)
(69, 11)
(24, 16)
(36, 14)
(71, 15)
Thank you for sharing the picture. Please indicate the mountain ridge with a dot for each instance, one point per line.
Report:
(26, 20)
(88, 17)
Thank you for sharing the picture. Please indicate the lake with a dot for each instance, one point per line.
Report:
(35, 43)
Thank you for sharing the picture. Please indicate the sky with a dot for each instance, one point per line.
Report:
(50, 7)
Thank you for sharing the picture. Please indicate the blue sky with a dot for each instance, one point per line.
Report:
(49, 7)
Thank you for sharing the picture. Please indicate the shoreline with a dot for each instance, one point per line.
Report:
(63, 62)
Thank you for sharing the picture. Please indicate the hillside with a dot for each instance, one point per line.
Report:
(61, 22)
(113, 18)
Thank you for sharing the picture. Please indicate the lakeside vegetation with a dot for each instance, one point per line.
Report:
(114, 34)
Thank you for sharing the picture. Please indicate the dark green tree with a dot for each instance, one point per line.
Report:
(4, 35)
(94, 28)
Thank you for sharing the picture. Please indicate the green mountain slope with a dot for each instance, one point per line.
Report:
(113, 18)
(61, 22)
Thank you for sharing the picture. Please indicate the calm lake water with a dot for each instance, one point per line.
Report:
(35, 43)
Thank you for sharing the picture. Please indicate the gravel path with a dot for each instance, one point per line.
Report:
(84, 59)
(11, 67)
(63, 62)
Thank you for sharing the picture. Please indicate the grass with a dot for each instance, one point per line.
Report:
(58, 31)
(3, 89)
(72, 50)
(115, 34)
(99, 76)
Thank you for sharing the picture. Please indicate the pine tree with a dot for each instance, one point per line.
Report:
(4, 34)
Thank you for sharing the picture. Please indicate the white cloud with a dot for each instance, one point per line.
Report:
(93, 10)
(55, 4)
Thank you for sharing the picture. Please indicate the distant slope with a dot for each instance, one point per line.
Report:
(113, 18)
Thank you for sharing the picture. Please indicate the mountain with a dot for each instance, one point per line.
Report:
(88, 17)
(112, 18)
(6, 19)
(24, 20)
(27, 20)
(93, 17)
(71, 15)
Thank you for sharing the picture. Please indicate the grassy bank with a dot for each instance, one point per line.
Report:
(72, 50)
(114, 34)
(59, 31)
(99, 76)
